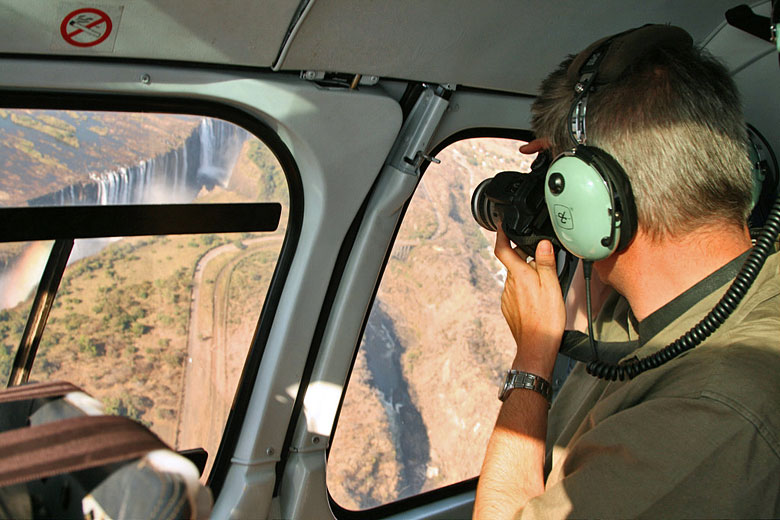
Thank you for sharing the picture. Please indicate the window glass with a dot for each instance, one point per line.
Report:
(156, 327)
(421, 401)
(21, 266)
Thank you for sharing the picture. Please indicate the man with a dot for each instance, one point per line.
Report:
(698, 436)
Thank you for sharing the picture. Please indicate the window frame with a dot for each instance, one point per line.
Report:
(66, 100)
(449, 491)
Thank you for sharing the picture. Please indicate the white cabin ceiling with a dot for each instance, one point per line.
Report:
(492, 44)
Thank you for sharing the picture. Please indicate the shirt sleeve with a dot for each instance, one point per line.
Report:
(664, 458)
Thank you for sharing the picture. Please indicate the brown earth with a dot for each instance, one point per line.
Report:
(122, 317)
(442, 290)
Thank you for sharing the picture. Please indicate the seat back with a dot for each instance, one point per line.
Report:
(61, 457)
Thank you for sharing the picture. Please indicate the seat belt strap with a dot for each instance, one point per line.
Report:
(37, 391)
(70, 445)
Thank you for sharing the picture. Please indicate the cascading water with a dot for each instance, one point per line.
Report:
(205, 160)
(218, 152)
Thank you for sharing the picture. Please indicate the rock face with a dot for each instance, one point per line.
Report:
(44, 151)
(204, 159)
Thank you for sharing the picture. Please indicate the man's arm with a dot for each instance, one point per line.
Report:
(513, 470)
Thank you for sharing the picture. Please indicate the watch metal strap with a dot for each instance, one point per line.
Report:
(528, 381)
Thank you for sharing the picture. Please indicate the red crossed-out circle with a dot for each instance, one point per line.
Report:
(93, 28)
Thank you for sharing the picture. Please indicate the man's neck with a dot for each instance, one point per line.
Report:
(652, 272)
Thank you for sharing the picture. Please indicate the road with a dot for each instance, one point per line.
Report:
(208, 385)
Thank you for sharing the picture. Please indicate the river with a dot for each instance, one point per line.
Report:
(410, 437)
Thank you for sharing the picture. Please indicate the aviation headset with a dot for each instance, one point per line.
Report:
(588, 193)
(592, 207)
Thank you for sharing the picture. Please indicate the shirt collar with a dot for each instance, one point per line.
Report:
(575, 344)
(661, 318)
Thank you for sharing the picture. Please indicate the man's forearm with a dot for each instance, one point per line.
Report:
(513, 471)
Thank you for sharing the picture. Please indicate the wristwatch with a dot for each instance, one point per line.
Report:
(518, 379)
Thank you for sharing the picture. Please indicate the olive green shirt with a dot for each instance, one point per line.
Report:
(698, 437)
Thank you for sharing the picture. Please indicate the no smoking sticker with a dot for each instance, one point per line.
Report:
(87, 27)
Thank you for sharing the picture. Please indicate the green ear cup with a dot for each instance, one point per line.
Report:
(581, 205)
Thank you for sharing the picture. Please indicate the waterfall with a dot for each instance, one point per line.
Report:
(218, 152)
(206, 159)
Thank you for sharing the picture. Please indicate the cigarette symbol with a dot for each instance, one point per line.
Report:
(86, 27)
(85, 23)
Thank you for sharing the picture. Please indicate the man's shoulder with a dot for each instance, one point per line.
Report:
(737, 379)
(742, 357)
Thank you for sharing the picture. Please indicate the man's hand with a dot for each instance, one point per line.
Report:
(534, 146)
(513, 471)
(532, 305)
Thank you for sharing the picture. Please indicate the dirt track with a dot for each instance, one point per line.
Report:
(208, 387)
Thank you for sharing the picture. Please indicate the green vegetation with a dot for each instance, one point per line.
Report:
(9, 252)
(250, 278)
(78, 116)
(271, 184)
(45, 152)
(6, 361)
(129, 406)
(49, 125)
(28, 148)
(11, 329)
(112, 315)
(474, 241)
(120, 322)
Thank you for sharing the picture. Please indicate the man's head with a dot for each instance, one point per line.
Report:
(673, 121)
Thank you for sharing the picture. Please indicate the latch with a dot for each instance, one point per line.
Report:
(410, 150)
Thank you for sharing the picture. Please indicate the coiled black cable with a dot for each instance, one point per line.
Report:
(764, 246)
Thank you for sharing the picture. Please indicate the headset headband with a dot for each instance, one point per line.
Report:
(605, 60)
(623, 49)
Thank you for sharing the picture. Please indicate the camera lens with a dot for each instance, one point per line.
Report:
(482, 209)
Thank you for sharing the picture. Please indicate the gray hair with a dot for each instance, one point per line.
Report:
(673, 120)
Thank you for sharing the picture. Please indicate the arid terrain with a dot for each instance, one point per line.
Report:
(45, 150)
(137, 321)
(158, 328)
(441, 292)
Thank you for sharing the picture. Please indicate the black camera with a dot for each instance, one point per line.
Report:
(515, 201)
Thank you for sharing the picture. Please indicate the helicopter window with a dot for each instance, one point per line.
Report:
(156, 326)
(421, 400)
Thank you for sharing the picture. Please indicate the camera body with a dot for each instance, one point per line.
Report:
(515, 201)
